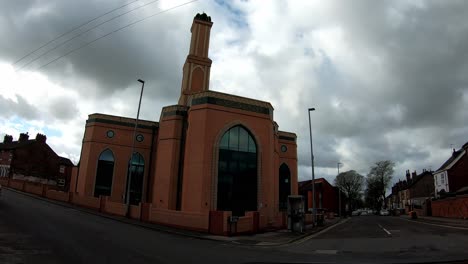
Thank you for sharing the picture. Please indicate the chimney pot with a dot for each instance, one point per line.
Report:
(7, 139)
(41, 138)
(23, 137)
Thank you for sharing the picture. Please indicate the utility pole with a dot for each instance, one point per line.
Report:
(339, 190)
(129, 182)
(313, 174)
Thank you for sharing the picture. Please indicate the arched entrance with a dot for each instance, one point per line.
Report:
(137, 169)
(237, 172)
(104, 174)
(284, 186)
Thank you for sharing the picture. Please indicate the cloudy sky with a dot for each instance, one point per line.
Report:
(389, 79)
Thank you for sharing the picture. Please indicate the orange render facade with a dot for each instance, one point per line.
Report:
(210, 157)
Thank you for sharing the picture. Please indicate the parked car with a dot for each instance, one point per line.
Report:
(384, 212)
(355, 213)
(364, 212)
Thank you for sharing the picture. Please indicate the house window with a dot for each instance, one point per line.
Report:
(442, 178)
(62, 169)
(4, 171)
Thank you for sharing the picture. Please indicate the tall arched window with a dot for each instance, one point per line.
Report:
(237, 172)
(284, 186)
(137, 168)
(104, 174)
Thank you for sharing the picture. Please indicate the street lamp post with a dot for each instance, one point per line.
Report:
(127, 197)
(339, 189)
(313, 174)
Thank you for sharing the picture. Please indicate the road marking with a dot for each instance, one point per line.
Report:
(326, 251)
(386, 231)
(432, 224)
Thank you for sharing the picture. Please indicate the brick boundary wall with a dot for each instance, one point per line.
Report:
(251, 223)
(453, 207)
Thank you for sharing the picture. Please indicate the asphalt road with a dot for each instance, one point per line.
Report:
(36, 231)
(389, 239)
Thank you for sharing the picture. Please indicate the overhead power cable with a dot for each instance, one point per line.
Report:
(84, 32)
(112, 32)
(73, 29)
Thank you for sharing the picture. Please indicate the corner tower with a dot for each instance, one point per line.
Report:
(196, 71)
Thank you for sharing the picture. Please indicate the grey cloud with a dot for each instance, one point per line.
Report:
(414, 62)
(151, 50)
(63, 108)
(10, 108)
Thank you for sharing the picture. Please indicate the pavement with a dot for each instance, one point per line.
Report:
(278, 237)
(37, 231)
(442, 221)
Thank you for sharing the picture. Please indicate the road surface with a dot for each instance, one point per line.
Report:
(36, 231)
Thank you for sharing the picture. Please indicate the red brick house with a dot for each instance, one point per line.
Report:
(421, 190)
(400, 198)
(33, 159)
(326, 195)
(422, 185)
(453, 174)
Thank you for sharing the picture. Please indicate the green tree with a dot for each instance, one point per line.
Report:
(351, 184)
(378, 180)
(373, 197)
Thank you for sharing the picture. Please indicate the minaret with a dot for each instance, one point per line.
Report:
(196, 71)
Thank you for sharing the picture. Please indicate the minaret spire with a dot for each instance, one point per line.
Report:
(196, 71)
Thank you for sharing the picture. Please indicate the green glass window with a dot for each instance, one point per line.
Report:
(284, 186)
(104, 174)
(234, 138)
(137, 169)
(238, 139)
(237, 172)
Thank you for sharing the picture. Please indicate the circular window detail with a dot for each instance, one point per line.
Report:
(110, 133)
(284, 148)
(140, 138)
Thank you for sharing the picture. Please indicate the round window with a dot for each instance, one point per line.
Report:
(284, 148)
(110, 133)
(140, 138)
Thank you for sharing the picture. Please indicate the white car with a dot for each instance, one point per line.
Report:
(384, 212)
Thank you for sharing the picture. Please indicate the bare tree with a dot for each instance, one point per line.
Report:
(378, 180)
(350, 183)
